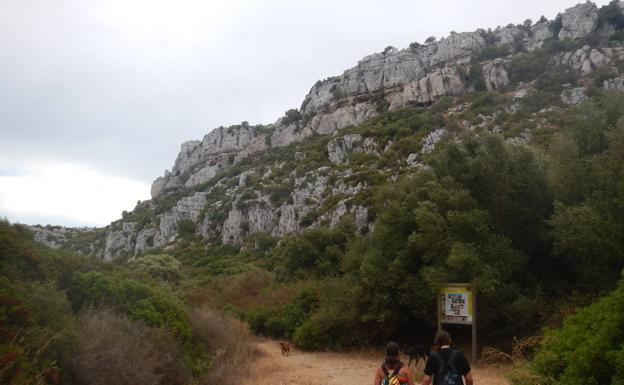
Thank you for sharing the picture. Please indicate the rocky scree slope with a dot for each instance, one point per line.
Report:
(307, 168)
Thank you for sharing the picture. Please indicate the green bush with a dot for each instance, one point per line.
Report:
(525, 67)
(493, 52)
(611, 14)
(309, 336)
(159, 266)
(138, 300)
(588, 348)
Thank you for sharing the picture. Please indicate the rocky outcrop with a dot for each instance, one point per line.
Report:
(586, 60)
(540, 32)
(120, 242)
(579, 21)
(198, 162)
(615, 84)
(186, 208)
(247, 218)
(204, 174)
(573, 96)
(339, 148)
(383, 75)
(495, 75)
(342, 117)
(441, 82)
(430, 141)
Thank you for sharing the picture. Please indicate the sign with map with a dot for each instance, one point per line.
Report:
(456, 304)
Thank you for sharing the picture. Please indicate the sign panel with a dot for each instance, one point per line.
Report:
(456, 304)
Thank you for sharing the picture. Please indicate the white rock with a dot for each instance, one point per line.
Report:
(495, 75)
(119, 243)
(579, 21)
(616, 84)
(573, 96)
(430, 141)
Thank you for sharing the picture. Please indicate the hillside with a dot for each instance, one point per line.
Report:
(307, 168)
(493, 157)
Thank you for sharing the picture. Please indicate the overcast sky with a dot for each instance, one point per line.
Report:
(96, 96)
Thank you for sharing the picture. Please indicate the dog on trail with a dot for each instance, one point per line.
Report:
(285, 348)
(416, 353)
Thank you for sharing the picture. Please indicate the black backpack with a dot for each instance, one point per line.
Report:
(447, 372)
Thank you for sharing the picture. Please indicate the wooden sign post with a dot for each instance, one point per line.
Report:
(457, 304)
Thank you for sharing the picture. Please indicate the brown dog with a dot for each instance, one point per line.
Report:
(285, 348)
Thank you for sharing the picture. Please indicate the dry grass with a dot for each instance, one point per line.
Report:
(228, 341)
(521, 351)
(112, 350)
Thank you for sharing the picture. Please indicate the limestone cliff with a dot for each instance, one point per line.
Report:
(216, 189)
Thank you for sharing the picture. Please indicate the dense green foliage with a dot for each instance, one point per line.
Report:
(74, 320)
(588, 349)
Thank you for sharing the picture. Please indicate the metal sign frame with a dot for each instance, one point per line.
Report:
(473, 322)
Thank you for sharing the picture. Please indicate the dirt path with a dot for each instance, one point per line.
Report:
(302, 368)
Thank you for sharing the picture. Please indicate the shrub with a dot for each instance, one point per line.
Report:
(493, 52)
(159, 266)
(227, 341)
(138, 300)
(588, 348)
(291, 116)
(113, 350)
(309, 336)
(554, 78)
(554, 45)
(526, 67)
(611, 14)
(475, 77)
(186, 228)
(556, 25)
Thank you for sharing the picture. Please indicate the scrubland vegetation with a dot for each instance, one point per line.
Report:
(74, 320)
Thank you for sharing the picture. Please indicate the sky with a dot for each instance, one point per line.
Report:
(96, 96)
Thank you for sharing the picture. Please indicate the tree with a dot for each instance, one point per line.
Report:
(159, 266)
(291, 116)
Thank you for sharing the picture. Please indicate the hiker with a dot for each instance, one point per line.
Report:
(446, 365)
(393, 371)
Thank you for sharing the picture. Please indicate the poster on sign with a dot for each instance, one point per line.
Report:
(456, 304)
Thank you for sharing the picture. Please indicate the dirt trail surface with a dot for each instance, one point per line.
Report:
(323, 368)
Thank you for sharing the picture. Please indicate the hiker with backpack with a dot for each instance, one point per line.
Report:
(393, 371)
(446, 365)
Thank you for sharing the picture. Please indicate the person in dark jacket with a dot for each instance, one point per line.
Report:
(446, 359)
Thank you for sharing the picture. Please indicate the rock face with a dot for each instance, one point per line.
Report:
(579, 21)
(430, 141)
(199, 162)
(573, 96)
(539, 33)
(586, 60)
(120, 242)
(615, 84)
(495, 75)
(338, 149)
